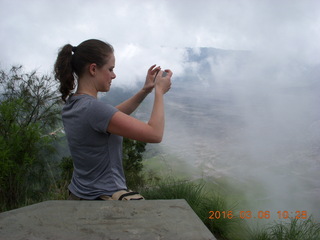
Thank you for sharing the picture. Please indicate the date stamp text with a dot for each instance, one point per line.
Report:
(263, 214)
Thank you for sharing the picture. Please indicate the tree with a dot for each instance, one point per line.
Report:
(37, 93)
(133, 155)
(132, 162)
(29, 110)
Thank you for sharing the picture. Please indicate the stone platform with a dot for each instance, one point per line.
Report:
(93, 220)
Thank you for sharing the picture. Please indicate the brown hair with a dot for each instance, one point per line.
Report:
(68, 65)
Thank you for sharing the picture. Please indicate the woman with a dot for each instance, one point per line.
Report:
(95, 129)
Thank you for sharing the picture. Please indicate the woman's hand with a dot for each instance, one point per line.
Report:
(163, 82)
(150, 83)
(124, 125)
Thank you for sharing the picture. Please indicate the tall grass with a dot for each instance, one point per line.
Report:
(202, 198)
(202, 202)
(296, 229)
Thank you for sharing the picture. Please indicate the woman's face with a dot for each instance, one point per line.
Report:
(105, 75)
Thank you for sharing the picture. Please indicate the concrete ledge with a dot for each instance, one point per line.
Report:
(143, 220)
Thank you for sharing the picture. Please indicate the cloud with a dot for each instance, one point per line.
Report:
(33, 31)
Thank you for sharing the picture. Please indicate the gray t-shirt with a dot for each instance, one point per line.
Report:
(97, 154)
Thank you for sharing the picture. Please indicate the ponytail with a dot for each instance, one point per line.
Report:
(64, 71)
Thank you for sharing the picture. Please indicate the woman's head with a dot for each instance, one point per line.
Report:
(73, 61)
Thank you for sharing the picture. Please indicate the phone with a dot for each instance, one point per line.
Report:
(163, 75)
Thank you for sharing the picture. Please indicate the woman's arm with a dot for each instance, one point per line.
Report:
(152, 132)
(130, 105)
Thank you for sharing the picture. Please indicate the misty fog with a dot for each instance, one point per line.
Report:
(252, 120)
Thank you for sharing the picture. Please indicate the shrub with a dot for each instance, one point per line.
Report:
(28, 112)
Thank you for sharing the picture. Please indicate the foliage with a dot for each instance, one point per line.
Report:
(27, 113)
(296, 229)
(66, 167)
(132, 162)
(200, 201)
(59, 187)
(133, 155)
(224, 228)
(38, 95)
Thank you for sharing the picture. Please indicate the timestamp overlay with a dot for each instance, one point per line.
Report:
(260, 214)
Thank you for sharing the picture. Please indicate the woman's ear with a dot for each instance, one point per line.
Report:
(92, 69)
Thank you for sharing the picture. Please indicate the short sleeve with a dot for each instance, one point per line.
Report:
(100, 114)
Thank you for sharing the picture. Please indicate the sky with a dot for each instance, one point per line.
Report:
(146, 32)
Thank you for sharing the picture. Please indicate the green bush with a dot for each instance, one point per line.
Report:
(23, 172)
(28, 111)
(296, 229)
(66, 168)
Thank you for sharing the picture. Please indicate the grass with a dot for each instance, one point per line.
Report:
(204, 196)
(202, 202)
(208, 194)
(296, 229)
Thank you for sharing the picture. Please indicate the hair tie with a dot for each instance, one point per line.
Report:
(74, 49)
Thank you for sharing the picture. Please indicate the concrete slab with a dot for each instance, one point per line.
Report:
(129, 220)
